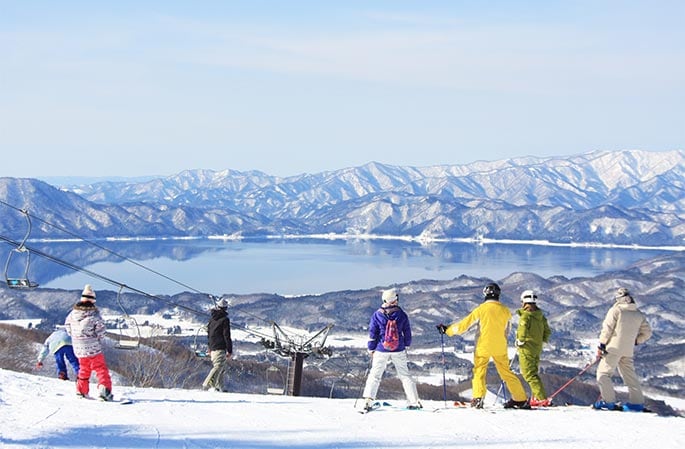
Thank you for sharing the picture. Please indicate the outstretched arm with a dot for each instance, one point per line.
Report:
(462, 326)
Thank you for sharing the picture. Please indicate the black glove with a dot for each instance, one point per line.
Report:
(601, 350)
(441, 328)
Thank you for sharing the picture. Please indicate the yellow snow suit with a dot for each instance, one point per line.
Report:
(492, 318)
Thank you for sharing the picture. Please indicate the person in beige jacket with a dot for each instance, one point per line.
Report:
(624, 327)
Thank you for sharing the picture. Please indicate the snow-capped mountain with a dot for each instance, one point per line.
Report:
(625, 197)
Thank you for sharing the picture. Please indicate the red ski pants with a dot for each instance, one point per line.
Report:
(86, 366)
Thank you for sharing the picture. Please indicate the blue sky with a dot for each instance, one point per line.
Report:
(133, 88)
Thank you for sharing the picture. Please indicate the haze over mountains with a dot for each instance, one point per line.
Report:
(623, 197)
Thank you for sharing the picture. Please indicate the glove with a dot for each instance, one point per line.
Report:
(441, 328)
(601, 350)
(518, 343)
(39, 365)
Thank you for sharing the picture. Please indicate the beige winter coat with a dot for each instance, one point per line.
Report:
(624, 327)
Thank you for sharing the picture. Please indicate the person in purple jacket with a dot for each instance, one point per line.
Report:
(389, 348)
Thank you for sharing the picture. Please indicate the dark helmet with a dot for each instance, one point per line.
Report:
(491, 291)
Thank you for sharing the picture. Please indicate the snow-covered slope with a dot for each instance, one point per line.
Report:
(41, 412)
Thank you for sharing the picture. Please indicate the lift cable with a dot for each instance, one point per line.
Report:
(114, 253)
(104, 248)
(101, 277)
(121, 285)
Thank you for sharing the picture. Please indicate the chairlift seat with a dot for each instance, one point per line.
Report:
(21, 283)
(127, 344)
(275, 383)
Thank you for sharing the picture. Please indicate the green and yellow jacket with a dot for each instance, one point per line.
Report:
(532, 330)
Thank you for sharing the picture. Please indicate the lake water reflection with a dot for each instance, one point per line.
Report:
(292, 267)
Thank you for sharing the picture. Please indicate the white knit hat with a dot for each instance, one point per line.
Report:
(389, 296)
(88, 294)
(529, 297)
(222, 303)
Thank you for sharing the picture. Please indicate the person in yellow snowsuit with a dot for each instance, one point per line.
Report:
(533, 330)
(492, 318)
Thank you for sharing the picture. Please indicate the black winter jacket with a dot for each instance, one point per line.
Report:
(219, 331)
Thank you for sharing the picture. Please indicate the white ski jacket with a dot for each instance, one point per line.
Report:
(86, 328)
(624, 327)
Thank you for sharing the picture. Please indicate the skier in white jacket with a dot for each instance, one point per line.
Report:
(624, 327)
(87, 330)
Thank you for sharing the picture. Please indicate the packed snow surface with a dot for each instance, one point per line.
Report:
(42, 412)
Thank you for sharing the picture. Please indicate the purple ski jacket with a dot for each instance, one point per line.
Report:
(377, 328)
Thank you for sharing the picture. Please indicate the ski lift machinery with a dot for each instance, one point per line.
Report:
(20, 281)
(297, 348)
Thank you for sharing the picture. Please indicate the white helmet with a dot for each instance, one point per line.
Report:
(529, 297)
(390, 296)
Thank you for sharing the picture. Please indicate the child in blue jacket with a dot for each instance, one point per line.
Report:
(59, 344)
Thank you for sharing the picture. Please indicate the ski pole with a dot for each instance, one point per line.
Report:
(502, 384)
(587, 367)
(501, 390)
(444, 368)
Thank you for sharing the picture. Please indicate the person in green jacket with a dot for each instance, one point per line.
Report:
(533, 330)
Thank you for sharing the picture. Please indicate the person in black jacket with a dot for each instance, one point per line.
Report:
(220, 346)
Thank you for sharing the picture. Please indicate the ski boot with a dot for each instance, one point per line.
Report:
(534, 402)
(477, 403)
(105, 394)
(628, 407)
(367, 406)
(517, 404)
(603, 405)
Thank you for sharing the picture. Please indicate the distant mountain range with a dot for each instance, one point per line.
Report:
(623, 197)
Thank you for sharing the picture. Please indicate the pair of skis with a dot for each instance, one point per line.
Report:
(383, 405)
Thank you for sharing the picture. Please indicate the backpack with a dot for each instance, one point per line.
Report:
(391, 339)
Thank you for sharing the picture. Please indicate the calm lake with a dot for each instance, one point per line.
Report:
(295, 267)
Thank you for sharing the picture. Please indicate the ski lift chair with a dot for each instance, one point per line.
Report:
(124, 340)
(20, 281)
(275, 383)
(200, 344)
(125, 325)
